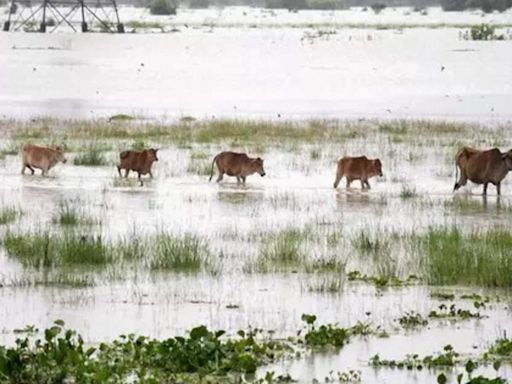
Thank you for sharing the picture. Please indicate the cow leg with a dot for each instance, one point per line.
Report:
(238, 179)
(367, 184)
(126, 172)
(150, 174)
(43, 172)
(119, 170)
(348, 182)
(462, 181)
(485, 189)
(339, 175)
(221, 175)
(140, 180)
(32, 170)
(498, 188)
(363, 184)
(23, 169)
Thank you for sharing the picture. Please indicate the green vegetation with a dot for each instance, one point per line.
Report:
(381, 281)
(478, 258)
(187, 253)
(42, 249)
(68, 214)
(331, 335)
(484, 32)
(93, 156)
(485, 5)
(121, 117)
(200, 356)
(9, 214)
(283, 249)
(407, 192)
(447, 358)
(243, 132)
(295, 5)
(453, 313)
(163, 7)
(412, 320)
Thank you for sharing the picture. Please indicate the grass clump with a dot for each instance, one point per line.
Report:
(68, 214)
(9, 214)
(407, 192)
(477, 258)
(42, 249)
(93, 156)
(412, 320)
(163, 7)
(283, 249)
(186, 253)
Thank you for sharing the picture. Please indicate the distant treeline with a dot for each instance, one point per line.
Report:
(292, 5)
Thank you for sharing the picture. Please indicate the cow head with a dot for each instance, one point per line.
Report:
(152, 154)
(507, 158)
(257, 166)
(60, 153)
(377, 167)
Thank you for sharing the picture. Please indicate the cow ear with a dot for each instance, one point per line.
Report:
(504, 156)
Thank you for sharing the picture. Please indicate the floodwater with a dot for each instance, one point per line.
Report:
(296, 193)
(260, 71)
(221, 66)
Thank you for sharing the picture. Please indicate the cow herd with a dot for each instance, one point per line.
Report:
(480, 167)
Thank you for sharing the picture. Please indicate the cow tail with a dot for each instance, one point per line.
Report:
(213, 163)
(457, 156)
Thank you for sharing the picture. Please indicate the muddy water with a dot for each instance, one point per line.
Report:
(296, 193)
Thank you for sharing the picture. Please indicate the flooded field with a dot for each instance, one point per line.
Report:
(110, 257)
(210, 63)
(402, 283)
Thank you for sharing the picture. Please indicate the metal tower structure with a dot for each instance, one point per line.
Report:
(53, 13)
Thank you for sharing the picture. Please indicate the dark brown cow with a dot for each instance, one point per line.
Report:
(140, 162)
(357, 168)
(482, 167)
(43, 158)
(237, 164)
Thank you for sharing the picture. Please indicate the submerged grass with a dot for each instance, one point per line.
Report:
(68, 214)
(478, 258)
(42, 249)
(186, 253)
(282, 249)
(92, 156)
(9, 214)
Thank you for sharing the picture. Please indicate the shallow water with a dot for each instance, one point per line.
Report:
(296, 193)
(257, 72)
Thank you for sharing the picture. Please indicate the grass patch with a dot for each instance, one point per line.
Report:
(93, 156)
(42, 249)
(186, 253)
(282, 249)
(407, 192)
(478, 258)
(9, 214)
(68, 214)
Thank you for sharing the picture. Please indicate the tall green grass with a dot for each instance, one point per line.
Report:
(69, 214)
(186, 253)
(9, 214)
(43, 249)
(92, 156)
(282, 249)
(478, 258)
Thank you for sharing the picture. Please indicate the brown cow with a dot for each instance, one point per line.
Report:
(357, 168)
(482, 167)
(140, 162)
(43, 158)
(237, 164)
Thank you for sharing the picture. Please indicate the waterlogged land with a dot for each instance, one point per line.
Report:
(399, 272)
